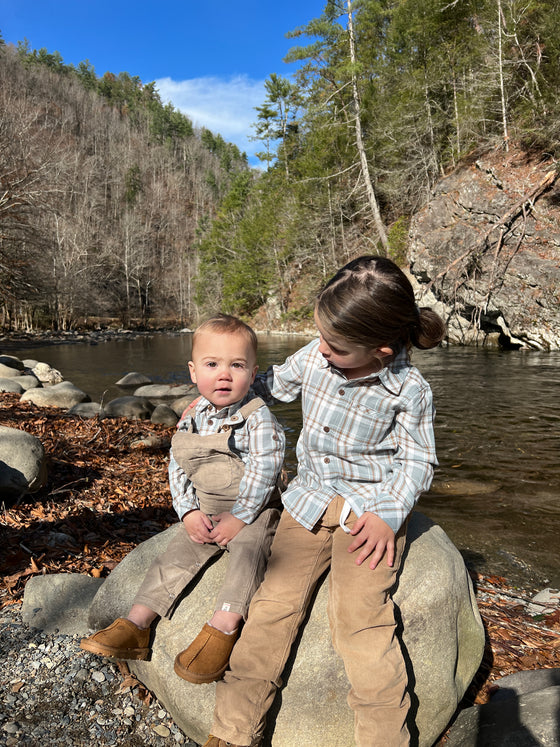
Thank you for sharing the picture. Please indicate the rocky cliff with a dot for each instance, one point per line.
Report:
(486, 251)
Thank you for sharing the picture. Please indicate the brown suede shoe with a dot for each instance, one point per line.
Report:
(121, 640)
(206, 659)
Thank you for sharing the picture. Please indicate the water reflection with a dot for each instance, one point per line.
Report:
(496, 491)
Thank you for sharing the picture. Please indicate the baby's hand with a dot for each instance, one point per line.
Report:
(227, 526)
(198, 526)
(375, 537)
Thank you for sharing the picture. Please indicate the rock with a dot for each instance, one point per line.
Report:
(22, 463)
(59, 602)
(513, 291)
(11, 385)
(133, 379)
(165, 415)
(47, 374)
(524, 720)
(11, 362)
(87, 410)
(545, 602)
(28, 381)
(528, 681)
(30, 363)
(443, 640)
(181, 404)
(131, 407)
(157, 391)
(8, 372)
(64, 395)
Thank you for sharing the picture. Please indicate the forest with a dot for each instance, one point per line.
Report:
(114, 207)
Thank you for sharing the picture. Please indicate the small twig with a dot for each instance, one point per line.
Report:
(65, 488)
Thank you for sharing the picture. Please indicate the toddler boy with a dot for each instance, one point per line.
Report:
(223, 472)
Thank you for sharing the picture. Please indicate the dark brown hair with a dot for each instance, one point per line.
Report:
(224, 323)
(370, 302)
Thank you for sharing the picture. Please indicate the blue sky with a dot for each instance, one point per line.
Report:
(209, 59)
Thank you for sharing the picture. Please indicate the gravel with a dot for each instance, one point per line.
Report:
(52, 692)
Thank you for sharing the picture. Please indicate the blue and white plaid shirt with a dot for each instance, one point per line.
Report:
(369, 440)
(259, 442)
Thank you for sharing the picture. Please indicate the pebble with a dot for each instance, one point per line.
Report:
(54, 693)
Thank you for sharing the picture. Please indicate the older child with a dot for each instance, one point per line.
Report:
(365, 454)
(223, 470)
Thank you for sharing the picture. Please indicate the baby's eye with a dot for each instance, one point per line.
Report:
(211, 364)
(238, 365)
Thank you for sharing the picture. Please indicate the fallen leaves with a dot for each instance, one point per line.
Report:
(102, 497)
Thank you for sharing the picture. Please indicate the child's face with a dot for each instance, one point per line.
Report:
(353, 360)
(223, 367)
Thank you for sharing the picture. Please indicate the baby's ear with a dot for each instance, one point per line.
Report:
(192, 372)
(255, 369)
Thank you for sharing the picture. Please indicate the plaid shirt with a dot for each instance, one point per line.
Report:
(259, 442)
(369, 440)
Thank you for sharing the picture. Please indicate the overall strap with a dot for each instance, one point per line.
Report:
(251, 406)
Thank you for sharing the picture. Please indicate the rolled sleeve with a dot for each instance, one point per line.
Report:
(182, 490)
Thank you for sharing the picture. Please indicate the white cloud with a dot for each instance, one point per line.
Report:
(224, 106)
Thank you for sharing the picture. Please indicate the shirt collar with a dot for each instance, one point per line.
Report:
(225, 412)
(392, 376)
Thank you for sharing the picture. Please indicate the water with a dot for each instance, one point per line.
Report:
(496, 492)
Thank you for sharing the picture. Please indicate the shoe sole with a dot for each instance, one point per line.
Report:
(128, 654)
(198, 679)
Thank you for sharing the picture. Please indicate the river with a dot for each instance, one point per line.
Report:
(496, 492)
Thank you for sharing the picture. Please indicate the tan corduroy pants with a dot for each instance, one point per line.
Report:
(362, 622)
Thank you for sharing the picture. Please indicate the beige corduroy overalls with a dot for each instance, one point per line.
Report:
(215, 472)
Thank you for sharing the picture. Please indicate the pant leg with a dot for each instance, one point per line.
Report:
(248, 554)
(361, 615)
(171, 571)
(298, 558)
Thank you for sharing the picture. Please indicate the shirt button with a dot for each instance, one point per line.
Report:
(226, 427)
(326, 428)
(210, 422)
(326, 460)
(341, 392)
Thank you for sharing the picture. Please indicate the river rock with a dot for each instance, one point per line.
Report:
(64, 395)
(443, 641)
(523, 712)
(22, 463)
(181, 404)
(133, 379)
(86, 410)
(134, 408)
(28, 381)
(9, 372)
(11, 384)
(30, 363)
(164, 415)
(47, 374)
(11, 362)
(59, 602)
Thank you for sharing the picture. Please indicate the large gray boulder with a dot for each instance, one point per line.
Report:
(11, 362)
(22, 463)
(64, 395)
(443, 642)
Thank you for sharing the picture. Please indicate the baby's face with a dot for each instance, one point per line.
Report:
(223, 367)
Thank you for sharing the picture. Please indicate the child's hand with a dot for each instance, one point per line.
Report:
(227, 526)
(375, 537)
(198, 526)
